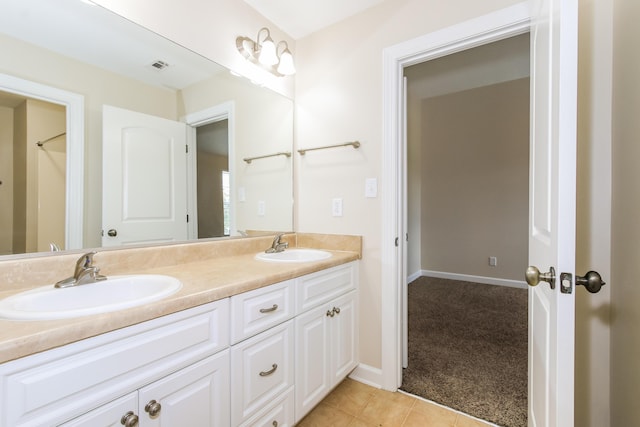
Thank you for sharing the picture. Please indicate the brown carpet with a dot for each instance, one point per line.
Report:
(468, 348)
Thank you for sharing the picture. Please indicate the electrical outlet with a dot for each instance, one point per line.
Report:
(336, 207)
(493, 261)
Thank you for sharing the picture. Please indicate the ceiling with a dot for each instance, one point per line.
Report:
(299, 18)
(99, 37)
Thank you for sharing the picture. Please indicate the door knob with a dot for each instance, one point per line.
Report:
(533, 276)
(112, 232)
(592, 281)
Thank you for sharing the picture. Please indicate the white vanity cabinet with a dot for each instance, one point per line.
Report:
(262, 355)
(124, 369)
(260, 358)
(194, 396)
(326, 334)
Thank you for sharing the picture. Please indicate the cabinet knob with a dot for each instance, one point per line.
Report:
(274, 424)
(129, 419)
(330, 313)
(336, 310)
(153, 408)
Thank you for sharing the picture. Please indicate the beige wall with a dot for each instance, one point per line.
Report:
(210, 216)
(593, 238)
(475, 169)
(20, 178)
(45, 120)
(263, 124)
(6, 176)
(625, 251)
(339, 98)
(39, 179)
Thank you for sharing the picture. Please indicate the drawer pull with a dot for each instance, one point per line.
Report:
(269, 310)
(274, 424)
(270, 371)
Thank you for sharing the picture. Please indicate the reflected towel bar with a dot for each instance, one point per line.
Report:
(355, 145)
(41, 143)
(283, 153)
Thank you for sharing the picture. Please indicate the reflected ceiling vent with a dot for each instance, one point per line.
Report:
(159, 65)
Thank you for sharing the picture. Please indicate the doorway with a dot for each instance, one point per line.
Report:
(73, 106)
(213, 186)
(33, 153)
(467, 195)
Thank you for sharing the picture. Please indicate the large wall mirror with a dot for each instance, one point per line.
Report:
(65, 68)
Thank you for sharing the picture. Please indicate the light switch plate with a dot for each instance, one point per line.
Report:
(371, 187)
(261, 208)
(336, 207)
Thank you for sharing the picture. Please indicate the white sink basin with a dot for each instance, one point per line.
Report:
(115, 293)
(294, 255)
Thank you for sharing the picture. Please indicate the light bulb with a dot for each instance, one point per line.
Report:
(286, 66)
(268, 53)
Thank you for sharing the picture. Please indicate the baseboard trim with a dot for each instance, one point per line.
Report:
(367, 375)
(468, 278)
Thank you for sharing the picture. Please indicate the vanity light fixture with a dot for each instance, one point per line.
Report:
(276, 59)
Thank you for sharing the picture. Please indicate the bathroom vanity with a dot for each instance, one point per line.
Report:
(263, 354)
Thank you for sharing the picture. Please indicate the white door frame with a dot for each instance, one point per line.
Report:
(504, 23)
(209, 115)
(74, 104)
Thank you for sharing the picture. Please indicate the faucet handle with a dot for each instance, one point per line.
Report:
(84, 262)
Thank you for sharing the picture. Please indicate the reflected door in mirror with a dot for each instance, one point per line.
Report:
(144, 178)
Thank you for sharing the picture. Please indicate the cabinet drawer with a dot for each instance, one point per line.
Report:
(317, 288)
(261, 369)
(258, 310)
(279, 414)
(107, 415)
(77, 377)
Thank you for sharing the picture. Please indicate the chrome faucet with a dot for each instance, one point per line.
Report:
(277, 245)
(84, 273)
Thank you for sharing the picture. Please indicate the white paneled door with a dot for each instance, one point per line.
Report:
(552, 197)
(552, 193)
(144, 184)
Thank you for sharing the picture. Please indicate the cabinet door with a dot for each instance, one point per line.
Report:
(344, 339)
(194, 396)
(109, 415)
(262, 368)
(279, 414)
(313, 380)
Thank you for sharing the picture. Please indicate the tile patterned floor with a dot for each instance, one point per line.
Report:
(353, 404)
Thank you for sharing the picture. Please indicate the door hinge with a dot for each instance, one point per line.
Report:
(397, 242)
(186, 147)
(187, 217)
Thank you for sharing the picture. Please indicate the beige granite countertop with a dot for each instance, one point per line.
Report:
(208, 271)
